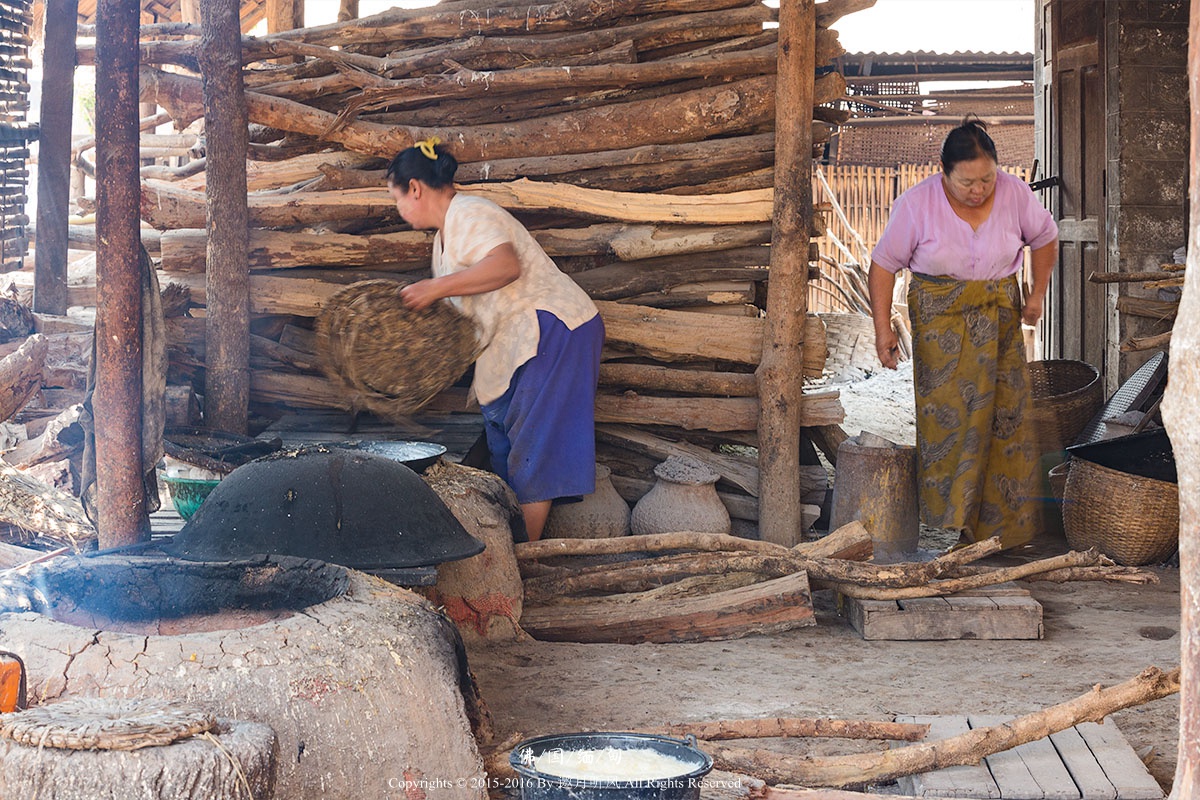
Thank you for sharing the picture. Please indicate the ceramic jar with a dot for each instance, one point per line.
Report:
(684, 498)
(600, 515)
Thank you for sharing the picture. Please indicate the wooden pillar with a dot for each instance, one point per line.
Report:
(117, 400)
(54, 158)
(227, 327)
(781, 367)
(347, 10)
(1179, 414)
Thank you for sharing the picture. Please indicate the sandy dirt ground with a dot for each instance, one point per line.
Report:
(1094, 634)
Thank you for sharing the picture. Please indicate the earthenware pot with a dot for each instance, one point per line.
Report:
(600, 515)
(684, 498)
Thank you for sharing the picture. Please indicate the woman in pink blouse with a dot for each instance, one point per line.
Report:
(962, 233)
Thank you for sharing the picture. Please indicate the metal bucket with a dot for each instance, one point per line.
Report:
(876, 484)
(537, 785)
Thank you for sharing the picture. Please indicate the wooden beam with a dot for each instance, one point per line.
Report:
(227, 338)
(54, 159)
(781, 368)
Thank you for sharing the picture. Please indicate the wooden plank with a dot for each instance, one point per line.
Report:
(1122, 766)
(1013, 777)
(962, 781)
(1081, 763)
(1041, 761)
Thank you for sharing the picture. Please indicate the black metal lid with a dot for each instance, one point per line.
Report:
(341, 506)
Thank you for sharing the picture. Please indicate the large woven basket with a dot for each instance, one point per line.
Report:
(1066, 395)
(1131, 519)
(391, 360)
(851, 342)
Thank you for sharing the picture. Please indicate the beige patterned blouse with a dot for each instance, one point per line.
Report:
(507, 317)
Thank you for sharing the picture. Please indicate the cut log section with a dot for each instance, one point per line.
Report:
(21, 375)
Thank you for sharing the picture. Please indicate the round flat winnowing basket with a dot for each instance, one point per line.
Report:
(99, 723)
(1066, 395)
(1131, 519)
(389, 359)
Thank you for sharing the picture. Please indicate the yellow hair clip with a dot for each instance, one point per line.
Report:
(426, 146)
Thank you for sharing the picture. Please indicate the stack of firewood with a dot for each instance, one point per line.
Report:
(634, 138)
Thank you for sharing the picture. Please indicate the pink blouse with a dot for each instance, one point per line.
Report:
(925, 235)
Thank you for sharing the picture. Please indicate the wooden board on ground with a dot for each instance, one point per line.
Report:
(1004, 611)
(1086, 762)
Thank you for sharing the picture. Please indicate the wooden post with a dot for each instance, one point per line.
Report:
(780, 371)
(54, 158)
(1179, 413)
(347, 10)
(189, 11)
(284, 15)
(117, 401)
(227, 328)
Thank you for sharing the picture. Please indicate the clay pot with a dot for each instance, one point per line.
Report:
(602, 514)
(684, 498)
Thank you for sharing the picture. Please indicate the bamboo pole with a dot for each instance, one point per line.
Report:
(117, 402)
(779, 372)
(227, 337)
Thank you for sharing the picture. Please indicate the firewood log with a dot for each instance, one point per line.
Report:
(21, 375)
(693, 116)
(766, 607)
(447, 22)
(708, 413)
(468, 83)
(820, 727)
(736, 152)
(860, 769)
(169, 206)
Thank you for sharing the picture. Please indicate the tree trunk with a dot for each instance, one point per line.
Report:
(1179, 414)
(781, 368)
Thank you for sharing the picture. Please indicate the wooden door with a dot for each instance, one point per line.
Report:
(1071, 133)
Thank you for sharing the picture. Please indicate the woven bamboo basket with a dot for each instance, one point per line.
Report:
(390, 360)
(850, 341)
(1066, 395)
(97, 723)
(1131, 519)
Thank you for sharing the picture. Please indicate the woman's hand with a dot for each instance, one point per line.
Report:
(880, 284)
(1031, 312)
(422, 294)
(887, 347)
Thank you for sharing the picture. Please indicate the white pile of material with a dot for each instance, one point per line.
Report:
(611, 764)
(881, 403)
